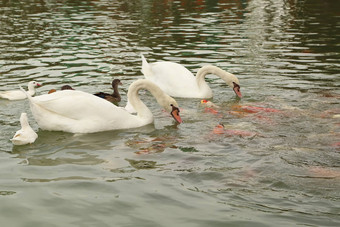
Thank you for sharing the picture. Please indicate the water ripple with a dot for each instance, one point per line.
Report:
(286, 56)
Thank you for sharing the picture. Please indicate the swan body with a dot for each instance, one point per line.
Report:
(80, 112)
(26, 134)
(18, 94)
(177, 81)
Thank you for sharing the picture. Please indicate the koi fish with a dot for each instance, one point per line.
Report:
(256, 109)
(219, 129)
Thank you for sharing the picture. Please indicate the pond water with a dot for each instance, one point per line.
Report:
(277, 162)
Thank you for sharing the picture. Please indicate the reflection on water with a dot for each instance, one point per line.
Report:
(276, 160)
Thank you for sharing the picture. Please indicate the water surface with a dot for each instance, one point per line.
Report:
(283, 170)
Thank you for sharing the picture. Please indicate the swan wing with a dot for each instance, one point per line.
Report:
(73, 104)
(79, 112)
(174, 79)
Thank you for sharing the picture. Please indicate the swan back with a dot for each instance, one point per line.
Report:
(173, 78)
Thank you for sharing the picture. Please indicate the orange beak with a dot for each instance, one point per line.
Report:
(237, 90)
(175, 114)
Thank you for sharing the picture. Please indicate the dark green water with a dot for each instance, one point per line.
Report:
(286, 56)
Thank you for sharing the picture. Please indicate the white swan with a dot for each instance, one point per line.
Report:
(17, 94)
(80, 112)
(26, 134)
(177, 81)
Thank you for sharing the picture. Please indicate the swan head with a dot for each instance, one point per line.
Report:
(233, 82)
(170, 105)
(175, 113)
(237, 89)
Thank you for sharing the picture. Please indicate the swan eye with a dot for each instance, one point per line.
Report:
(236, 86)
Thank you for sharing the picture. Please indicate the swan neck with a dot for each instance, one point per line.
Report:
(200, 76)
(133, 97)
(210, 69)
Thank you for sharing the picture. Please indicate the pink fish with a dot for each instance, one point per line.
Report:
(318, 171)
(219, 129)
(256, 109)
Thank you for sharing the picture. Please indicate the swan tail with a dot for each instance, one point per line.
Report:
(146, 68)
